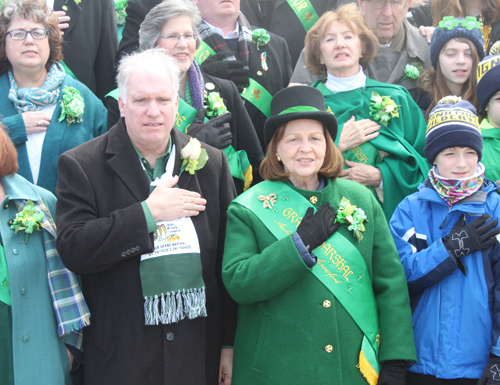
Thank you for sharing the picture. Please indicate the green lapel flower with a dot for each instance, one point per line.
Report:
(28, 220)
(383, 108)
(354, 216)
(260, 37)
(193, 157)
(214, 105)
(412, 71)
(72, 105)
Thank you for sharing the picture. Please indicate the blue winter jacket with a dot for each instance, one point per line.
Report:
(456, 318)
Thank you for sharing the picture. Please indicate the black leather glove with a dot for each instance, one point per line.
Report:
(317, 228)
(491, 373)
(393, 373)
(216, 132)
(467, 239)
(227, 69)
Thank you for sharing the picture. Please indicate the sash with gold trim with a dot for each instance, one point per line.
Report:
(305, 12)
(340, 267)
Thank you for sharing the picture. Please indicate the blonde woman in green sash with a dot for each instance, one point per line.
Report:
(381, 129)
(323, 298)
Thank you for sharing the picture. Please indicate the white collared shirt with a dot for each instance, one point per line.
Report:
(230, 35)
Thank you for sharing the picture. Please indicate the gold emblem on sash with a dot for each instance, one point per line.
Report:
(256, 94)
(308, 16)
(269, 201)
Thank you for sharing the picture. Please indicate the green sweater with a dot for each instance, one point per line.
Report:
(284, 323)
(398, 152)
(491, 150)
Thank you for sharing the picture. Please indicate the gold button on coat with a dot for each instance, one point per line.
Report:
(313, 200)
(328, 348)
(327, 303)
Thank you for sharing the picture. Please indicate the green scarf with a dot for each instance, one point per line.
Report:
(405, 167)
(171, 275)
(340, 267)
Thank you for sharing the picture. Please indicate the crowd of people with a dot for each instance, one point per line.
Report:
(265, 192)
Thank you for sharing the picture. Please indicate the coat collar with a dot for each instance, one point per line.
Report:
(18, 188)
(125, 163)
(416, 44)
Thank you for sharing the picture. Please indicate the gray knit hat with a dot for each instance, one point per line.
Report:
(451, 28)
(452, 123)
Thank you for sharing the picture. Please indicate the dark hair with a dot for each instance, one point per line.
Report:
(38, 11)
(457, 8)
(349, 15)
(272, 169)
(8, 154)
(432, 81)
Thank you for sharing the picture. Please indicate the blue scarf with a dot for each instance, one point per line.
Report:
(34, 99)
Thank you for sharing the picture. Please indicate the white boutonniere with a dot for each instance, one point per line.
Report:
(72, 105)
(193, 157)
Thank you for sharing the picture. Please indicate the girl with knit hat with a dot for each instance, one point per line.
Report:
(446, 238)
(488, 94)
(456, 50)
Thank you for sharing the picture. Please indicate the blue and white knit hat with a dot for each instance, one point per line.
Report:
(488, 76)
(452, 123)
(451, 28)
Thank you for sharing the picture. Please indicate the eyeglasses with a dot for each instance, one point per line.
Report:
(395, 4)
(175, 37)
(20, 34)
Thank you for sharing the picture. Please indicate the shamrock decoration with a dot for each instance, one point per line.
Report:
(193, 157)
(354, 216)
(215, 105)
(383, 108)
(260, 37)
(72, 105)
(28, 219)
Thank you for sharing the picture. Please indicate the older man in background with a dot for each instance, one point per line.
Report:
(400, 44)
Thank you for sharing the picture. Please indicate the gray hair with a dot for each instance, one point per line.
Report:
(156, 18)
(155, 59)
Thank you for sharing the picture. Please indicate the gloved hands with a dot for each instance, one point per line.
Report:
(467, 239)
(491, 373)
(227, 69)
(393, 373)
(317, 228)
(216, 132)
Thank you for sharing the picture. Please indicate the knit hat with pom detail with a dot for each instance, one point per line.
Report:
(452, 123)
(451, 28)
(488, 76)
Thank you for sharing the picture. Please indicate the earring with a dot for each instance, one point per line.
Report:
(278, 157)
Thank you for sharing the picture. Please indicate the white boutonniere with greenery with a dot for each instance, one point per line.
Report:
(193, 157)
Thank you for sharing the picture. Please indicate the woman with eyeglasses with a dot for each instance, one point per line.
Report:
(172, 25)
(44, 110)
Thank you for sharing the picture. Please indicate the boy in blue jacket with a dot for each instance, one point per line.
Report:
(446, 238)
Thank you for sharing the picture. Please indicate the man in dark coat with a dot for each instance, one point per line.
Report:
(90, 42)
(272, 71)
(107, 227)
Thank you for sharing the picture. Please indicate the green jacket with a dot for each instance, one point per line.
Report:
(491, 150)
(398, 152)
(285, 321)
(39, 355)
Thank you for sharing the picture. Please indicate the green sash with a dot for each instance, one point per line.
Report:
(114, 94)
(203, 52)
(305, 12)
(340, 267)
(239, 165)
(258, 96)
(68, 71)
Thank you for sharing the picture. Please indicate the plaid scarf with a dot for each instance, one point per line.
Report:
(70, 308)
(218, 44)
(34, 99)
(454, 190)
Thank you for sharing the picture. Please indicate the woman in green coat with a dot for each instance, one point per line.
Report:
(381, 128)
(322, 299)
(42, 310)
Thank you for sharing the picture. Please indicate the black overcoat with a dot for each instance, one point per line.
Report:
(100, 218)
(90, 42)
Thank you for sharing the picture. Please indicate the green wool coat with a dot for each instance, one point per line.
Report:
(284, 323)
(398, 152)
